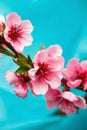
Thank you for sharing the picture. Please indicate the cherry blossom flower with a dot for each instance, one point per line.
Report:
(47, 69)
(21, 86)
(76, 73)
(18, 32)
(66, 100)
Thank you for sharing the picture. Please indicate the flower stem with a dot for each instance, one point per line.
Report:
(2, 40)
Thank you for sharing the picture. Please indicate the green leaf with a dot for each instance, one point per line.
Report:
(22, 69)
(18, 62)
(30, 61)
(22, 59)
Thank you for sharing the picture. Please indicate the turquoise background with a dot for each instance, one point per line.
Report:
(55, 21)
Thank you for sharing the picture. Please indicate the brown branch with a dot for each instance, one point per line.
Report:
(3, 41)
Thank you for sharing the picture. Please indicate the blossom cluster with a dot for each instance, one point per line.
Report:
(45, 74)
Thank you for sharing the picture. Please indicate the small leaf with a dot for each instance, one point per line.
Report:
(18, 62)
(22, 59)
(22, 69)
(30, 61)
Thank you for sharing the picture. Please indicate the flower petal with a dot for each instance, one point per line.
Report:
(55, 63)
(68, 107)
(69, 96)
(21, 90)
(32, 72)
(11, 77)
(81, 103)
(54, 50)
(85, 85)
(1, 27)
(66, 73)
(74, 66)
(26, 40)
(27, 26)
(18, 46)
(54, 81)
(41, 57)
(12, 19)
(52, 94)
(39, 86)
(52, 104)
(75, 83)
(84, 65)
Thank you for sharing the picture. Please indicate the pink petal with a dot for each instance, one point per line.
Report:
(32, 73)
(69, 96)
(83, 65)
(41, 57)
(25, 29)
(11, 77)
(67, 73)
(68, 107)
(39, 86)
(12, 19)
(75, 83)
(27, 26)
(54, 81)
(26, 40)
(17, 46)
(52, 94)
(55, 63)
(74, 66)
(52, 104)
(21, 90)
(81, 103)
(85, 85)
(54, 50)
(1, 27)
(31, 88)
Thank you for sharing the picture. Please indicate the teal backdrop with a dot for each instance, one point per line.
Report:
(62, 22)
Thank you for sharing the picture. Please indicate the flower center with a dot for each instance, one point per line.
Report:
(83, 76)
(42, 71)
(14, 33)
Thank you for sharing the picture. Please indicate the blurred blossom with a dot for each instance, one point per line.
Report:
(66, 100)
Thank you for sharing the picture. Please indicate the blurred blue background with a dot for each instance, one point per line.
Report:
(55, 21)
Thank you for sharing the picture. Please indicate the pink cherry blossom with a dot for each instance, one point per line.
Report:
(18, 32)
(47, 69)
(76, 73)
(66, 100)
(21, 86)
